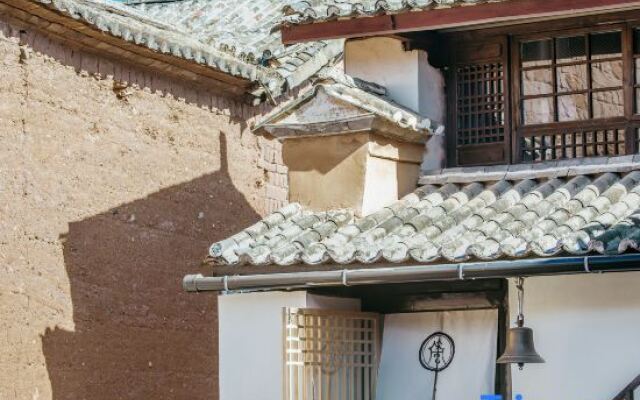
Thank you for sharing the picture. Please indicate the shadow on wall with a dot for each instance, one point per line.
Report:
(137, 334)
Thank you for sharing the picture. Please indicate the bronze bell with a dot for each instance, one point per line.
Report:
(520, 349)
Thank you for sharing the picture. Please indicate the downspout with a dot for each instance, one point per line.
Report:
(416, 273)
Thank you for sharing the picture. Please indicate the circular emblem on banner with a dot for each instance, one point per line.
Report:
(437, 351)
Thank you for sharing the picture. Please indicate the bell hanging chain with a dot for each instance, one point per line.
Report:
(520, 287)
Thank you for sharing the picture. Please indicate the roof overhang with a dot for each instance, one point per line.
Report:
(361, 123)
(449, 18)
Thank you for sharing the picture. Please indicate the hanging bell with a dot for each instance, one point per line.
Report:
(520, 349)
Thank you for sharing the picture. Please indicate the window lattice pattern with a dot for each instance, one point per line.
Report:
(480, 104)
(574, 144)
(330, 355)
(572, 78)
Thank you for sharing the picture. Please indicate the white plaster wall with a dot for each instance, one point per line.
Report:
(588, 330)
(381, 184)
(383, 61)
(251, 343)
(251, 340)
(431, 86)
(410, 81)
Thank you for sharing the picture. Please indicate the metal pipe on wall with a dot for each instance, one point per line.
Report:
(415, 273)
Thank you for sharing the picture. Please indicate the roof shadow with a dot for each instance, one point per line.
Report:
(137, 334)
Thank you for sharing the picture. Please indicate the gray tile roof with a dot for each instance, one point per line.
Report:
(574, 215)
(235, 37)
(310, 11)
(246, 30)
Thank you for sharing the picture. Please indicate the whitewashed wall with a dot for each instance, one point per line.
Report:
(409, 78)
(588, 330)
(251, 340)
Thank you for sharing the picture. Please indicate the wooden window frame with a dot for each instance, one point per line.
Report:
(628, 124)
(494, 50)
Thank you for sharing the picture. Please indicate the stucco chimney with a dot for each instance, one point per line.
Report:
(347, 146)
(361, 171)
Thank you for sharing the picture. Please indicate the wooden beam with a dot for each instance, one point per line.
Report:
(445, 18)
(504, 11)
(356, 27)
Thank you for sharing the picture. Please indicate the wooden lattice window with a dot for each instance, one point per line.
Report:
(331, 355)
(572, 95)
(572, 78)
(480, 103)
(574, 143)
(550, 91)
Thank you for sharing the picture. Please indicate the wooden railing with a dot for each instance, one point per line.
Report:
(627, 392)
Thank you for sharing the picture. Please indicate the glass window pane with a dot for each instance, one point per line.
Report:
(538, 111)
(637, 100)
(573, 107)
(608, 104)
(571, 49)
(572, 78)
(536, 53)
(637, 64)
(606, 44)
(537, 81)
(606, 74)
(636, 41)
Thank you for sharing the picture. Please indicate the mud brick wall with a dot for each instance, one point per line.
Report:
(113, 183)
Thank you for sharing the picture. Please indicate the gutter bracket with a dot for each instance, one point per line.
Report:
(344, 277)
(460, 272)
(225, 282)
(587, 269)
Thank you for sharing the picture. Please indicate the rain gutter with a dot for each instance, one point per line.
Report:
(415, 273)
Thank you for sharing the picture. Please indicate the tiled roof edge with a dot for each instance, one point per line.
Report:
(132, 26)
(553, 169)
(303, 12)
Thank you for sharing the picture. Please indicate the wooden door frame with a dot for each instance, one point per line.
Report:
(439, 297)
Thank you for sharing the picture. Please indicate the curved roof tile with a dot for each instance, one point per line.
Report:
(591, 213)
(310, 11)
(238, 38)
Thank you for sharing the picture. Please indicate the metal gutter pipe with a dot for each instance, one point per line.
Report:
(416, 273)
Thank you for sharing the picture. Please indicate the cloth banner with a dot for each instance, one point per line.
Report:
(471, 372)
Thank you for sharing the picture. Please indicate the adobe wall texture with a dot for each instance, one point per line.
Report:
(108, 196)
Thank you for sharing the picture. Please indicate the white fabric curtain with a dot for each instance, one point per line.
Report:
(470, 374)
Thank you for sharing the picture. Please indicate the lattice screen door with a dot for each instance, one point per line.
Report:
(330, 355)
